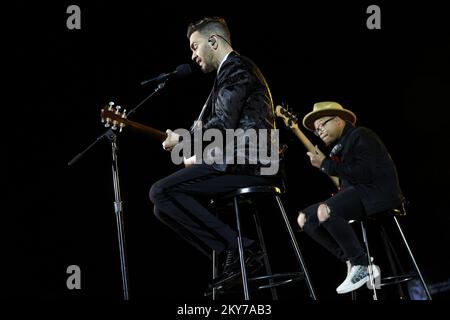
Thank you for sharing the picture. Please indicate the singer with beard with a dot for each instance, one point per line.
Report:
(239, 99)
(368, 185)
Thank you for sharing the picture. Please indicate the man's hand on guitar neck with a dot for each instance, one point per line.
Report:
(171, 141)
(316, 157)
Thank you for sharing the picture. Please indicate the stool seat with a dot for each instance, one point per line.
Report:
(251, 190)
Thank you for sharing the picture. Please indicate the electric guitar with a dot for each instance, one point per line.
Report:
(291, 122)
(112, 117)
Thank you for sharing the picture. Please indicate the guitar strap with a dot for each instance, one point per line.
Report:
(205, 107)
(334, 154)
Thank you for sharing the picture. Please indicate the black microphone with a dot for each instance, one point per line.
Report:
(181, 71)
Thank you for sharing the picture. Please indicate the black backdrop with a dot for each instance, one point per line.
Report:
(395, 79)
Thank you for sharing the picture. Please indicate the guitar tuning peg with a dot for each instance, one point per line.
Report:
(110, 105)
(107, 125)
(124, 113)
(117, 109)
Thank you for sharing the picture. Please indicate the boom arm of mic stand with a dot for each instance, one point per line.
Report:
(107, 133)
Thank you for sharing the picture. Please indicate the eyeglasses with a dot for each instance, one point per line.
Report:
(321, 126)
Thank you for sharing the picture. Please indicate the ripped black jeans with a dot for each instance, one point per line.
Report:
(335, 233)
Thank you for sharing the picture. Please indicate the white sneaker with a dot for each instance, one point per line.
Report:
(356, 278)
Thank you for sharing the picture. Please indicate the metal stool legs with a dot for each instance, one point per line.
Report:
(370, 264)
(394, 262)
(416, 267)
(241, 250)
(214, 272)
(293, 242)
(391, 255)
(262, 243)
(297, 250)
(303, 274)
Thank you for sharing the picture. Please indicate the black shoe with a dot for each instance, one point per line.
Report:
(232, 266)
(231, 262)
(230, 283)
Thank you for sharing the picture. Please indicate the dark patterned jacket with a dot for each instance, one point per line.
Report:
(240, 98)
(364, 162)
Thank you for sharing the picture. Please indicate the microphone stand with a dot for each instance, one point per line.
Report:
(118, 208)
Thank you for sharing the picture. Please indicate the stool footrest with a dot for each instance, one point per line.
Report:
(397, 279)
(289, 277)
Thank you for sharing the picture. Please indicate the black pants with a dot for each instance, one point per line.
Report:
(335, 233)
(178, 203)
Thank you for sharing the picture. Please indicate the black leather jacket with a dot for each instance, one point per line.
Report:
(240, 99)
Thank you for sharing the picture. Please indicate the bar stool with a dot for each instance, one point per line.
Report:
(399, 275)
(249, 195)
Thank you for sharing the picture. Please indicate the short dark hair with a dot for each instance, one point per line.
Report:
(210, 25)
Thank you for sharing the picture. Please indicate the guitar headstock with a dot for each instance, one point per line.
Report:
(288, 117)
(112, 116)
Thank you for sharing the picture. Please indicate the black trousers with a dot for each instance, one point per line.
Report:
(335, 233)
(178, 202)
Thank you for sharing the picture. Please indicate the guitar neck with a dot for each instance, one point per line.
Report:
(155, 133)
(311, 148)
(308, 145)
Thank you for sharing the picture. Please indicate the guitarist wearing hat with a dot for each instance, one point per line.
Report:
(368, 185)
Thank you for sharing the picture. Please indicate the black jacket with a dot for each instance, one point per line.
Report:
(240, 98)
(364, 162)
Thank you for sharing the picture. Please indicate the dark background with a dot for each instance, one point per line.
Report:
(395, 80)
